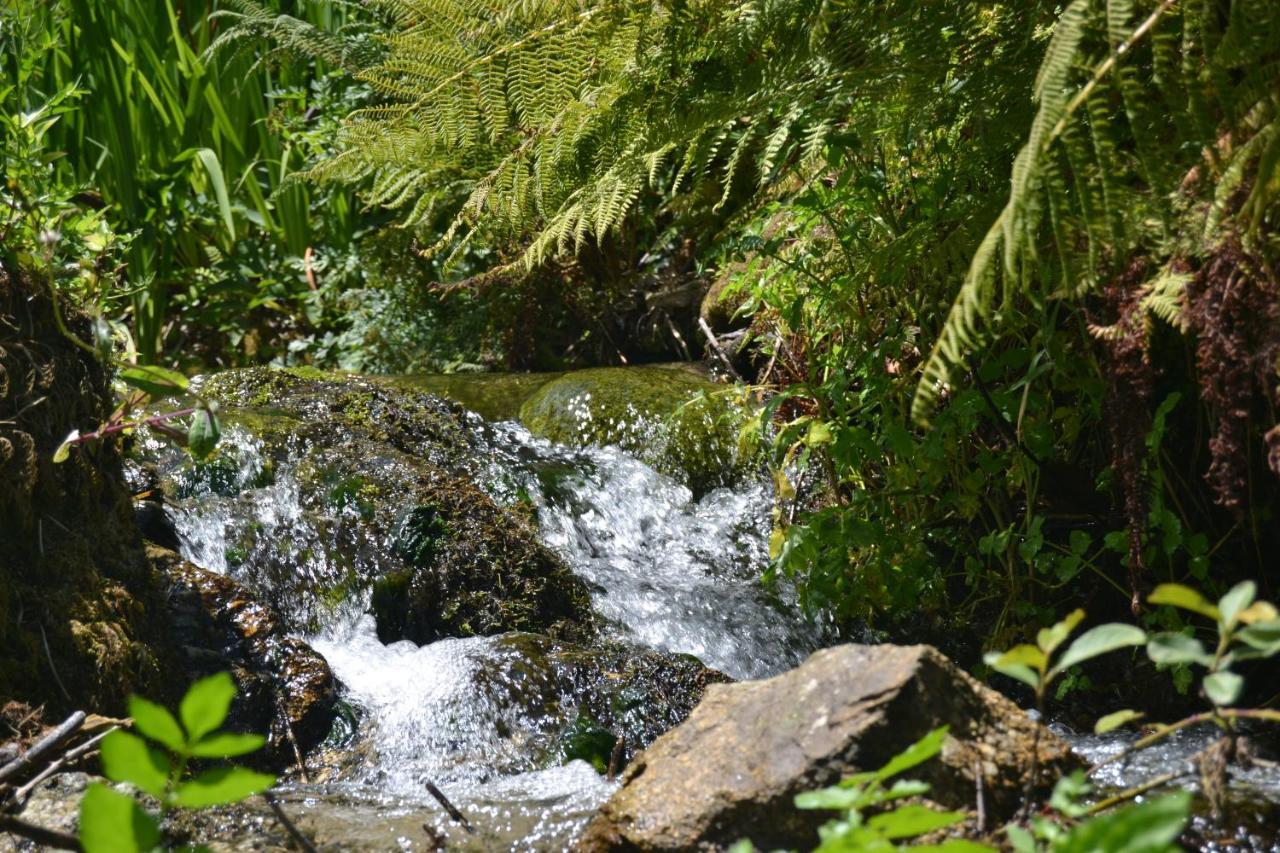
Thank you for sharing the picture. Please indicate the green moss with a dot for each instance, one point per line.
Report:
(493, 396)
(586, 740)
(670, 417)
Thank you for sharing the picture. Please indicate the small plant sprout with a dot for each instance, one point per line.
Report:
(112, 822)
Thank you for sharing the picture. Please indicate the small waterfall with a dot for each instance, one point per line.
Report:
(476, 716)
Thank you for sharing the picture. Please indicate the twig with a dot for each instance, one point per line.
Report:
(289, 827)
(44, 745)
(49, 654)
(39, 834)
(20, 795)
(981, 795)
(717, 349)
(1134, 792)
(1196, 719)
(288, 730)
(458, 816)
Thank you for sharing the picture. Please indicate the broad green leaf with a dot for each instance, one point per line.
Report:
(128, 758)
(111, 822)
(1021, 840)
(156, 722)
(1262, 636)
(1170, 647)
(1237, 599)
(1068, 792)
(1150, 827)
(226, 745)
(206, 704)
(1223, 687)
(919, 752)
(64, 450)
(900, 789)
(1050, 638)
(1099, 641)
(1020, 672)
(1259, 611)
(156, 381)
(1026, 655)
(209, 160)
(1177, 595)
(1115, 720)
(203, 435)
(219, 786)
(911, 820)
(819, 434)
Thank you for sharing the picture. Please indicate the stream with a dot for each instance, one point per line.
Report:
(486, 719)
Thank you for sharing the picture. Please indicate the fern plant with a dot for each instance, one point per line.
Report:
(1156, 122)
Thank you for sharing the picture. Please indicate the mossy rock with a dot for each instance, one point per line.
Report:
(383, 501)
(670, 417)
(493, 396)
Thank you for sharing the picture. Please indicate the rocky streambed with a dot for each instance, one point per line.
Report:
(497, 593)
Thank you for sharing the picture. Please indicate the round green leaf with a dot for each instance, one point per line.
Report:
(1223, 688)
(111, 822)
(206, 704)
(1237, 599)
(204, 433)
(156, 722)
(1098, 641)
(1169, 647)
(127, 758)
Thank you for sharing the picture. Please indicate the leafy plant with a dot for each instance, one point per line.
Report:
(1149, 827)
(112, 822)
(854, 796)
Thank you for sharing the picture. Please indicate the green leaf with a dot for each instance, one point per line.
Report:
(156, 381)
(1098, 641)
(128, 758)
(111, 822)
(1020, 839)
(1177, 595)
(206, 704)
(210, 161)
(1149, 827)
(1050, 638)
(919, 752)
(1171, 647)
(156, 722)
(1020, 672)
(226, 745)
(1223, 687)
(1237, 599)
(219, 786)
(1115, 720)
(64, 450)
(204, 433)
(911, 820)
(1026, 655)
(833, 798)
(1263, 636)
(819, 434)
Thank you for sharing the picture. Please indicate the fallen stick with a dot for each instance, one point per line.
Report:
(20, 795)
(294, 832)
(458, 816)
(715, 347)
(42, 746)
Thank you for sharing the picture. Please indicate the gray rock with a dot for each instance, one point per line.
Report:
(732, 769)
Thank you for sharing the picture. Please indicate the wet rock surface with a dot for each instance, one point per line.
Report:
(670, 417)
(330, 488)
(732, 769)
(286, 689)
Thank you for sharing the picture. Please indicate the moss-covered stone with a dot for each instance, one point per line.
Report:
(386, 503)
(671, 417)
(81, 612)
(493, 396)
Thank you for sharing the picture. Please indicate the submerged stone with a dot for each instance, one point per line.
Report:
(670, 417)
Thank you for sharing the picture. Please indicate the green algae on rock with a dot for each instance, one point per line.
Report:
(671, 417)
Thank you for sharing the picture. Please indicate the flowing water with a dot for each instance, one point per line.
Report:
(667, 571)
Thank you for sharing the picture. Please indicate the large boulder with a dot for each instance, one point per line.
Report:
(733, 768)
(671, 417)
